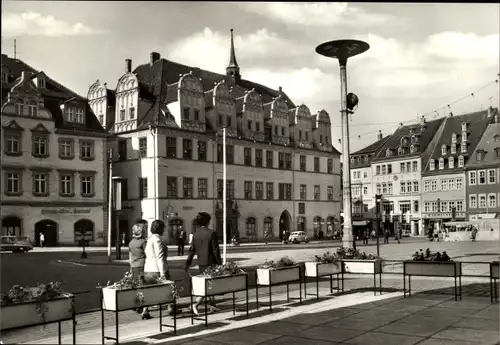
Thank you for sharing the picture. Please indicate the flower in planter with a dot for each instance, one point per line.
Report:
(327, 258)
(228, 269)
(283, 262)
(428, 256)
(354, 254)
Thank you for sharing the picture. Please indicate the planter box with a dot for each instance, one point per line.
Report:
(433, 268)
(211, 286)
(362, 266)
(118, 300)
(23, 315)
(273, 276)
(317, 269)
(494, 270)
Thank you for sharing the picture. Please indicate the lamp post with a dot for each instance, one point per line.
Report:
(342, 50)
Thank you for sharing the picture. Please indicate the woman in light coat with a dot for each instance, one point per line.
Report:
(156, 255)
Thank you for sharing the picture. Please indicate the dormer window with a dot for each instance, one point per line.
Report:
(451, 163)
(441, 163)
(40, 82)
(444, 150)
(461, 161)
(20, 109)
(432, 164)
(454, 138)
(497, 152)
(70, 114)
(412, 149)
(366, 158)
(5, 77)
(464, 126)
(75, 115)
(479, 155)
(464, 136)
(79, 115)
(414, 139)
(300, 135)
(463, 147)
(401, 151)
(496, 138)
(388, 153)
(453, 149)
(353, 160)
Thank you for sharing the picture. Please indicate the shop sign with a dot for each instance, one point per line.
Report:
(65, 210)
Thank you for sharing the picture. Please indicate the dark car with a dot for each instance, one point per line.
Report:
(16, 244)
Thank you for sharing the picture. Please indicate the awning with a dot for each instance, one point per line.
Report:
(360, 223)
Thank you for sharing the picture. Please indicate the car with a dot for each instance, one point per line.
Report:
(16, 244)
(298, 236)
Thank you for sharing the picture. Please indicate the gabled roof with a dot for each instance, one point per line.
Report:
(53, 94)
(490, 141)
(373, 148)
(477, 123)
(424, 131)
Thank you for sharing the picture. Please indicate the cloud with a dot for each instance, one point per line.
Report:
(317, 14)
(35, 24)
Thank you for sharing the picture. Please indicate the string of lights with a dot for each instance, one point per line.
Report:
(435, 113)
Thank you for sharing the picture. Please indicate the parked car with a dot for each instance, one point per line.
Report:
(16, 244)
(298, 236)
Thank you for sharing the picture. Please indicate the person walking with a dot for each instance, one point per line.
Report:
(206, 247)
(181, 241)
(137, 260)
(156, 256)
(366, 234)
(386, 236)
(42, 239)
(397, 235)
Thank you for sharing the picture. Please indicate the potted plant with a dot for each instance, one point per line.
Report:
(278, 272)
(218, 280)
(131, 292)
(323, 265)
(355, 261)
(432, 264)
(38, 305)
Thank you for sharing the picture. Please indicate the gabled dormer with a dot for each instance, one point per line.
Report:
(405, 141)
(388, 153)
(496, 138)
(480, 155)
(465, 126)
(454, 138)
(191, 103)
(415, 138)
(301, 126)
(444, 149)
(279, 121)
(251, 121)
(127, 100)
(74, 111)
(321, 131)
(432, 164)
(101, 103)
(224, 109)
(40, 80)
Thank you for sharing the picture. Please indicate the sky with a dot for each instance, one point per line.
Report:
(422, 57)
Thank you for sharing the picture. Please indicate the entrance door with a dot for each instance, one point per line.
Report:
(285, 222)
(49, 229)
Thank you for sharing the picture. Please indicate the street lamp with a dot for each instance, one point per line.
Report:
(342, 50)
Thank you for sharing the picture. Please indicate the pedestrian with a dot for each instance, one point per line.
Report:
(42, 239)
(181, 241)
(366, 234)
(206, 247)
(400, 234)
(474, 234)
(137, 260)
(397, 236)
(386, 235)
(191, 236)
(373, 234)
(266, 235)
(156, 255)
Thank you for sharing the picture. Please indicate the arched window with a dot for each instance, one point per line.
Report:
(85, 228)
(301, 223)
(11, 226)
(268, 226)
(251, 227)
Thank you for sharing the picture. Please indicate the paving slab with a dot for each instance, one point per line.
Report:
(279, 327)
(288, 340)
(446, 342)
(327, 334)
(375, 314)
(480, 324)
(490, 312)
(374, 338)
(416, 329)
(467, 334)
(357, 323)
(242, 337)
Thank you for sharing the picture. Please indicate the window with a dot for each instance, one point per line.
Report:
(479, 155)
(196, 115)
(185, 114)
(460, 183)
(258, 157)
(432, 164)
(441, 163)
(491, 176)
(40, 184)
(451, 163)
(269, 190)
(402, 167)
(288, 161)
(171, 186)
(300, 134)
(302, 208)
(433, 186)
(434, 206)
(460, 206)
(221, 120)
(247, 153)
(122, 150)
(20, 109)
(497, 152)
(472, 178)
(268, 226)
(302, 161)
(13, 183)
(415, 206)
(316, 192)
(414, 166)
(283, 131)
(66, 184)
(427, 206)
(259, 190)
(281, 160)
(87, 185)
(389, 168)
(269, 159)
(472, 201)
(40, 146)
(202, 188)
(452, 184)
(80, 115)
(229, 189)
(463, 147)
(32, 110)
(403, 187)
(443, 150)
(415, 186)
(329, 166)
(482, 177)
(303, 192)
(250, 227)
(301, 224)
(202, 150)
(379, 188)
(384, 188)
(171, 147)
(276, 130)
(143, 187)
(228, 121)
(12, 144)
(453, 138)
(86, 150)
(229, 154)
(444, 185)
(187, 187)
(461, 161)
(492, 200)
(70, 115)
(365, 190)
(408, 166)
(285, 191)
(482, 200)
(132, 113)
(143, 147)
(453, 149)
(384, 171)
(248, 190)
(329, 192)
(316, 164)
(249, 125)
(66, 148)
(427, 186)
(187, 148)
(257, 126)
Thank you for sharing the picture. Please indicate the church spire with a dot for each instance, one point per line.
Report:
(233, 70)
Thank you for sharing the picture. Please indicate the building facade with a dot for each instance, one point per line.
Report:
(397, 175)
(53, 159)
(444, 176)
(483, 178)
(282, 171)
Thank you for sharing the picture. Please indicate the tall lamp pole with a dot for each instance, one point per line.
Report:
(342, 50)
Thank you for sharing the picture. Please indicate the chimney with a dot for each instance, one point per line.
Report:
(280, 89)
(154, 57)
(128, 65)
(379, 135)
